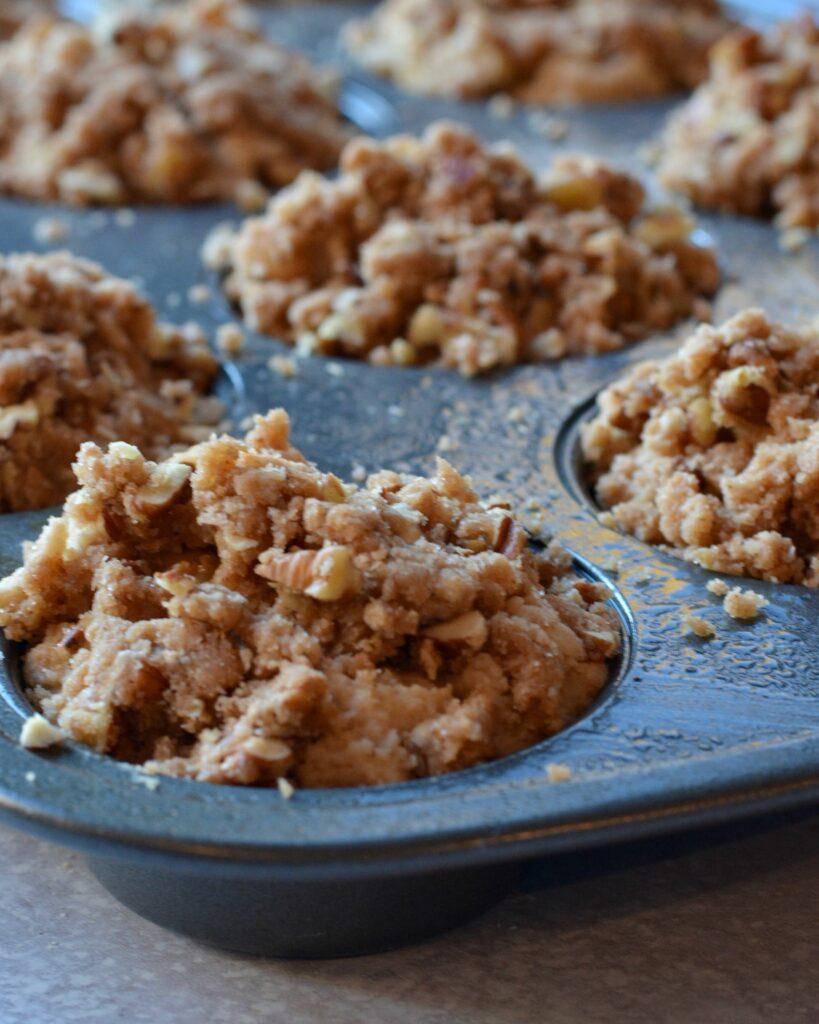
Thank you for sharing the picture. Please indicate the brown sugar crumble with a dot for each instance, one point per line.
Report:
(746, 140)
(714, 451)
(236, 615)
(176, 103)
(439, 250)
(82, 357)
(540, 51)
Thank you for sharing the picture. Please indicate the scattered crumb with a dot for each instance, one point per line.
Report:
(230, 339)
(719, 588)
(31, 777)
(285, 366)
(50, 229)
(697, 625)
(38, 733)
(395, 410)
(558, 772)
(125, 218)
(359, 474)
(287, 789)
(199, 294)
(445, 443)
(501, 107)
(148, 781)
(335, 369)
(743, 604)
(532, 505)
(516, 414)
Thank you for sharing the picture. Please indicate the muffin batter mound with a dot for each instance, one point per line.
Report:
(748, 139)
(236, 615)
(82, 357)
(542, 51)
(178, 104)
(439, 250)
(714, 451)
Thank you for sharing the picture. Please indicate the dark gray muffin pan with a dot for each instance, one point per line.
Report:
(687, 732)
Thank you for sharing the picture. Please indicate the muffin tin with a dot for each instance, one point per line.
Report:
(686, 732)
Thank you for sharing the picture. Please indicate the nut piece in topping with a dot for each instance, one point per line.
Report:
(39, 734)
(439, 250)
(713, 451)
(83, 358)
(183, 103)
(745, 141)
(540, 51)
(236, 615)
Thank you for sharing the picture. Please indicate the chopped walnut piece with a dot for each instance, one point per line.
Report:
(82, 358)
(714, 450)
(542, 51)
(441, 251)
(263, 624)
(184, 103)
(746, 140)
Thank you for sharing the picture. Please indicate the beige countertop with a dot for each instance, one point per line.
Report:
(683, 933)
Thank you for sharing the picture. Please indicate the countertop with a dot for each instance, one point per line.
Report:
(719, 928)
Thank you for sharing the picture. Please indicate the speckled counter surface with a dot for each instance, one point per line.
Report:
(688, 931)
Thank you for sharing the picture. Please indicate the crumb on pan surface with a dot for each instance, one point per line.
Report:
(440, 250)
(236, 615)
(743, 604)
(748, 139)
(581, 51)
(714, 451)
(182, 103)
(38, 733)
(83, 357)
(696, 624)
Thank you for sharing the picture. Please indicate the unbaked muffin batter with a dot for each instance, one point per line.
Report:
(179, 103)
(440, 250)
(748, 139)
(543, 51)
(714, 451)
(236, 615)
(82, 357)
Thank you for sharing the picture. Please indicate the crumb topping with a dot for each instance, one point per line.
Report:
(714, 451)
(541, 51)
(236, 615)
(747, 141)
(181, 103)
(82, 357)
(439, 250)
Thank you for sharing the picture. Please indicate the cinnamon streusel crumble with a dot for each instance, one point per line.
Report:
(236, 615)
(748, 139)
(440, 250)
(181, 103)
(714, 451)
(543, 51)
(82, 357)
